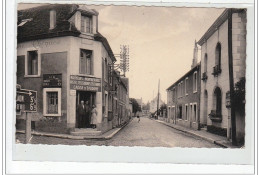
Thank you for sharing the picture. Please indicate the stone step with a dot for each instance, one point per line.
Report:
(86, 132)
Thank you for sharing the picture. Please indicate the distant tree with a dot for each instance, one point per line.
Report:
(163, 107)
(136, 106)
(146, 106)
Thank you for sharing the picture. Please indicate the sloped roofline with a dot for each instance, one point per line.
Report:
(185, 75)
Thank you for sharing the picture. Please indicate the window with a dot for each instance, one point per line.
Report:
(105, 70)
(218, 55)
(85, 62)
(186, 112)
(195, 112)
(205, 62)
(32, 63)
(217, 102)
(52, 101)
(110, 103)
(186, 86)
(173, 94)
(180, 112)
(86, 24)
(195, 82)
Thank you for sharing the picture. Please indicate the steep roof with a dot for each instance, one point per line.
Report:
(38, 27)
(185, 75)
(218, 22)
(38, 18)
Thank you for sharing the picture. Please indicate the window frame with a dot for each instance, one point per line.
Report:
(91, 62)
(91, 24)
(45, 102)
(186, 81)
(195, 82)
(186, 111)
(26, 63)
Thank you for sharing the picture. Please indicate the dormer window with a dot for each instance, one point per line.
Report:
(24, 21)
(86, 24)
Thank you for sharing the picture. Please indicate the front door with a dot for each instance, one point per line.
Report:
(84, 121)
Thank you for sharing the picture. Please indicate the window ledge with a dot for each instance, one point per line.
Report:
(87, 75)
(88, 34)
(32, 76)
(52, 115)
(195, 92)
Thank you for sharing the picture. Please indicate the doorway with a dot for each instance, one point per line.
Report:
(84, 96)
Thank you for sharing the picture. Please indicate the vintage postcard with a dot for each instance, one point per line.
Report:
(127, 76)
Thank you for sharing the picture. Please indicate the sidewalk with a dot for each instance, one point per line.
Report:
(105, 136)
(216, 139)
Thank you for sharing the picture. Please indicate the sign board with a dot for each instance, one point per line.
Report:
(26, 100)
(52, 80)
(83, 83)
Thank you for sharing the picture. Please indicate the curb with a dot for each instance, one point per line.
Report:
(196, 135)
(67, 136)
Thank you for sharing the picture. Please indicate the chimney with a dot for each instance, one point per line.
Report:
(195, 55)
(52, 19)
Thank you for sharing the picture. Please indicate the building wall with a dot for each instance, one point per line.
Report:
(221, 81)
(239, 62)
(51, 52)
(77, 43)
(190, 99)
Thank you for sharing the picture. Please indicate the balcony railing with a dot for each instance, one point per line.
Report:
(215, 116)
(204, 76)
(216, 70)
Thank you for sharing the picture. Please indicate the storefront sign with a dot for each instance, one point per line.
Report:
(85, 83)
(26, 100)
(52, 80)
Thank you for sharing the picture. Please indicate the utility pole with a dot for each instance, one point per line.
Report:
(158, 99)
(231, 79)
(124, 58)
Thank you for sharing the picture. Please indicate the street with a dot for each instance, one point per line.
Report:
(145, 133)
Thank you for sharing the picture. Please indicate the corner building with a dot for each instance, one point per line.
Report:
(62, 56)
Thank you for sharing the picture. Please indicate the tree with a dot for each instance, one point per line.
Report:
(146, 106)
(163, 107)
(239, 95)
(136, 106)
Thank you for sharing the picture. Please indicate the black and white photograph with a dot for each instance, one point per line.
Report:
(87, 75)
(143, 78)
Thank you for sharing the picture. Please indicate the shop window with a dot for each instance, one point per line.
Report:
(32, 63)
(85, 62)
(52, 101)
(195, 82)
(86, 24)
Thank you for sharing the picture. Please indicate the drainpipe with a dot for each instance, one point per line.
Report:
(231, 78)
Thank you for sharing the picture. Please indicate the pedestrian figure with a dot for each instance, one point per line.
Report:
(94, 117)
(81, 112)
(138, 117)
(88, 110)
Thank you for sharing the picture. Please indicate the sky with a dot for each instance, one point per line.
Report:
(160, 39)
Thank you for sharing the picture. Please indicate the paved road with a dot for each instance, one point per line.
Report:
(145, 133)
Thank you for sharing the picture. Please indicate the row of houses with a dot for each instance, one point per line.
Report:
(204, 98)
(62, 56)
